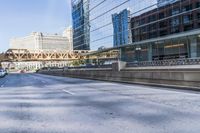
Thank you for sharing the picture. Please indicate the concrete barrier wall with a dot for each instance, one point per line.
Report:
(164, 77)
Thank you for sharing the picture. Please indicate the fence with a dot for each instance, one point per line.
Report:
(171, 62)
(91, 66)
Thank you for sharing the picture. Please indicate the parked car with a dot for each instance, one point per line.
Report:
(22, 71)
(6, 71)
(2, 73)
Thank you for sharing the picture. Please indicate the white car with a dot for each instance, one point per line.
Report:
(2, 73)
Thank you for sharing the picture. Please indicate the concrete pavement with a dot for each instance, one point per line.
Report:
(33, 103)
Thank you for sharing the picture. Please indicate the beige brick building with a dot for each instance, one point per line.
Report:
(40, 41)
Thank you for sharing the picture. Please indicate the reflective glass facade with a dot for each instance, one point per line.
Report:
(183, 47)
(175, 18)
(168, 32)
(81, 25)
(121, 26)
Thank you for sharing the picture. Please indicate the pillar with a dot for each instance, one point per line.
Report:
(150, 52)
(122, 55)
(118, 66)
(193, 47)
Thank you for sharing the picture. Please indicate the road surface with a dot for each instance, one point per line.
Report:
(33, 103)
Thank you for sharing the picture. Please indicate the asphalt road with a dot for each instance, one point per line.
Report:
(33, 103)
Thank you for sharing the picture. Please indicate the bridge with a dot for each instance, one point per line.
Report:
(40, 55)
(13, 55)
(19, 59)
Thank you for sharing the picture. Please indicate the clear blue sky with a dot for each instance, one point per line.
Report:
(19, 18)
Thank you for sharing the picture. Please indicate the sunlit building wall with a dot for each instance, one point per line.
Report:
(68, 32)
(40, 41)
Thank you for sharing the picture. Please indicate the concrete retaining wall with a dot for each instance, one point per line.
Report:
(153, 77)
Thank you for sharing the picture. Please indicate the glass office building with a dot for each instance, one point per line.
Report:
(81, 25)
(121, 27)
(171, 31)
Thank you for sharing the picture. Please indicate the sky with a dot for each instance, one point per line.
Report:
(19, 18)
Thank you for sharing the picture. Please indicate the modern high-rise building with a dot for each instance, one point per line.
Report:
(81, 24)
(121, 28)
(167, 32)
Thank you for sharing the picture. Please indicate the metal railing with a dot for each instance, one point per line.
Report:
(106, 66)
(171, 62)
(91, 66)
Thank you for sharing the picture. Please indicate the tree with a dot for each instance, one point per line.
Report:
(78, 62)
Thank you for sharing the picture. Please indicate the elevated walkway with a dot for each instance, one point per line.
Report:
(20, 55)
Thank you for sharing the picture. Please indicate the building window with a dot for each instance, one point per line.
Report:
(175, 49)
(175, 29)
(136, 23)
(152, 34)
(175, 21)
(175, 11)
(187, 8)
(128, 54)
(152, 27)
(187, 19)
(143, 29)
(163, 24)
(158, 51)
(136, 32)
(142, 21)
(161, 15)
(198, 46)
(188, 27)
(197, 4)
(152, 18)
(141, 53)
(163, 32)
(198, 16)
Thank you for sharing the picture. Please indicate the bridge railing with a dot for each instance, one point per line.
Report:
(106, 66)
(171, 62)
(91, 66)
